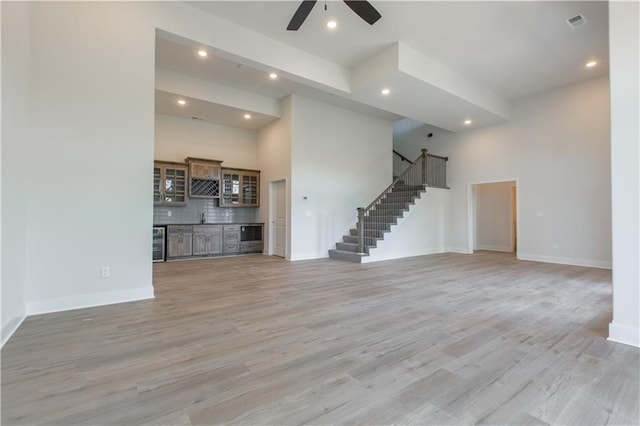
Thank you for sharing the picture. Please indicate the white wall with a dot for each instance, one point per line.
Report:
(557, 147)
(493, 221)
(16, 29)
(422, 230)
(89, 154)
(89, 148)
(274, 162)
(90, 145)
(340, 160)
(624, 36)
(177, 138)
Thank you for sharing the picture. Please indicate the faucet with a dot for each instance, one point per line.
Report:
(202, 218)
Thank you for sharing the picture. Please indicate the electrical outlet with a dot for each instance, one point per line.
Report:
(169, 213)
(555, 245)
(105, 271)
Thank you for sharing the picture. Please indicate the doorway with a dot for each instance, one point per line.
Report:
(278, 218)
(493, 216)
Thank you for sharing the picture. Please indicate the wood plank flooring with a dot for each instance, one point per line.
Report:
(441, 339)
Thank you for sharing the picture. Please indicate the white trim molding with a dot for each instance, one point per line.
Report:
(12, 325)
(507, 249)
(603, 264)
(88, 300)
(625, 334)
(401, 254)
(459, 250)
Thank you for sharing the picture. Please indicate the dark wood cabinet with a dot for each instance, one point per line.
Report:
(169, 184)
(204, 177)
(207, 240)
(184, 241)
(231, 239)
(179, 241)
(240, 188)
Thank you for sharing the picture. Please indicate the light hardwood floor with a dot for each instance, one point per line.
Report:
(441, 339)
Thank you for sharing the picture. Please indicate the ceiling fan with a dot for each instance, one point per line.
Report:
(362, 8)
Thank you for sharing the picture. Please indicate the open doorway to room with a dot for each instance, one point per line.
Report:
(494, 216)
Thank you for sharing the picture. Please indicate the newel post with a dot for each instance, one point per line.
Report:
(424, 166)
(360, 230)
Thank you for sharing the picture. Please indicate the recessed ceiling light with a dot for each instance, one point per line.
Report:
(273, 76)
(182, 102)
(332, 24)
(591, 64)
(247, 116)
(467, 122)
(202, 53)
(385, 91)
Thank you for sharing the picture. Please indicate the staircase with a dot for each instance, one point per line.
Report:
(393, 203)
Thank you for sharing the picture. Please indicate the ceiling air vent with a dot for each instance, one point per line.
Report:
(576, 21)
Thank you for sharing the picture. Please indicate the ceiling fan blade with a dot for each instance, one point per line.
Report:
(365, 10)
(301, 14)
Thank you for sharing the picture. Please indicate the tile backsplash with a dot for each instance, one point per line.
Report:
(192, 212)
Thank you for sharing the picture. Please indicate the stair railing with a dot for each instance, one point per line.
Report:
(402, 157)
(374, 219)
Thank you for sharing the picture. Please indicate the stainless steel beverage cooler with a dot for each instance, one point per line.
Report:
(158, 243)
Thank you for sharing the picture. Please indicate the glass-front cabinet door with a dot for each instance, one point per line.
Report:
(250, 189)
(169, 184)
(157, 184)
(175, 186)
(230, 188)
(240, 188)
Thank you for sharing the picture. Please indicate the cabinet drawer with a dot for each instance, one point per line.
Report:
(251, 246)
(231, 228)
(231, 247)
(207, 229)
(179, 229)
(231, 236)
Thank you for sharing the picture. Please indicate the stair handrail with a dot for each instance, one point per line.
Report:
(421, 162)
(402, 157)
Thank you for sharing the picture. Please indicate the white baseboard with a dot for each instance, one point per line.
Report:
(400, 255)
(310, 256)
(507, 249)
(12, 325)
(624, 334)
(566, 260)
(460, 250)
(88, 300)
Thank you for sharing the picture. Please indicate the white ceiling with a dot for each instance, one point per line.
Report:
(180, 57)
(198, 109)
(511, 49)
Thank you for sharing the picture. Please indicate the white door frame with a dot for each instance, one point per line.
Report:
(471, 213)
